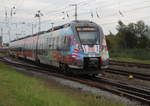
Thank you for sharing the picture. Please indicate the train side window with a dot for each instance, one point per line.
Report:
(52, 43)
(62, 43)
(66, 45)
(65, 40)
(41, 46)
(49, 43)
(43, 51)
(26, 47)
(45, 45)
(59, 43)
(55, 43)
(42, 43)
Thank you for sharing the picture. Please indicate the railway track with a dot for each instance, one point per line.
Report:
(129, 64)
(128, 73)
(139, 94)
(142, 95)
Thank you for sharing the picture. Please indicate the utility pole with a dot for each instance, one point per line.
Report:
(38, 15)
(75, 5)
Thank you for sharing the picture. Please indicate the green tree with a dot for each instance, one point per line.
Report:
(126, 35)
(111, 41)
(141, 29)
(132, 35)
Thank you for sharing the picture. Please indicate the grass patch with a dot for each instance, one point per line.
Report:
(131, 55)
(2, 55)
(17, 89)
(131, 60)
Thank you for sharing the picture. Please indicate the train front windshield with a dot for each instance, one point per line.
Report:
(88, 35)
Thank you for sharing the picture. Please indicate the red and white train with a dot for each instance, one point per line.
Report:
(79, 47)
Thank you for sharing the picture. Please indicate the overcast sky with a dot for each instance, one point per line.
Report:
(105, 12)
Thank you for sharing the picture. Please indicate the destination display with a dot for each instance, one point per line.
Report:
(86, 29)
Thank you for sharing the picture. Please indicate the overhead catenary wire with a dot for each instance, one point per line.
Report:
(134, 19)
(94, 13)
(57, 13)
(116, 13)
(53, 11)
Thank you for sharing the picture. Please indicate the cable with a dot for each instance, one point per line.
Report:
(108, 16)
(147, 17)
(53, 11)
(58, 12)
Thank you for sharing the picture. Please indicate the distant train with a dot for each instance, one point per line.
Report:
(78, 47)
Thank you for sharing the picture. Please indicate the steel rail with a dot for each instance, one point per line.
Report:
(130, 64)
(127, 73)
(127, 90)
(139, 94)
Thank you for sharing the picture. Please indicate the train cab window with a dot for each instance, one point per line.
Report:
(88, 35)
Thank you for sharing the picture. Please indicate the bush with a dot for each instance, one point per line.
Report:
(141, 54)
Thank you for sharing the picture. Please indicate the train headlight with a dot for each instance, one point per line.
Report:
(80, 48)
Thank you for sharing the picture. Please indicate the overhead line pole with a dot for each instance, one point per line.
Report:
(39, 23)
(8, 20)
(38, 15)
(52, 24)
(7, 24)
(76, 11)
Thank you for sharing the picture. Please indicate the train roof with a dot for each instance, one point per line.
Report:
(56, 28)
